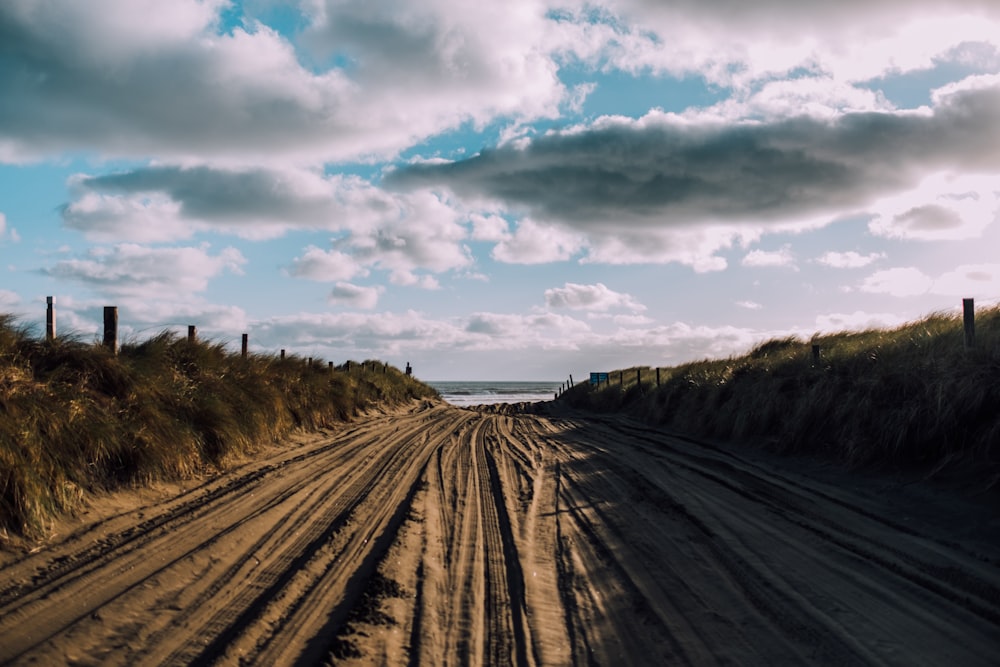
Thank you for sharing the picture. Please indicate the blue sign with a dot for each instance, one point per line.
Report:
(598, 378)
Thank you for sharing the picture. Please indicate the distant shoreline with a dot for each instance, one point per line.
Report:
(465, 393)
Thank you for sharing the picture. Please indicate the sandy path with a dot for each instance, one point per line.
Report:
(442, 536)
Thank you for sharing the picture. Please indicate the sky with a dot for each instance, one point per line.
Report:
(498, 190)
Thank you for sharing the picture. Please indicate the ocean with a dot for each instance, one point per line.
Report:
(482, 393)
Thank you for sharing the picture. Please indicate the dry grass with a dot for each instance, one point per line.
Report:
(75, 419)
(910, 397)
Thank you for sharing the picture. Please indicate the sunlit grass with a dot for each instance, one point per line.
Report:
(75, 418)
(909, 397)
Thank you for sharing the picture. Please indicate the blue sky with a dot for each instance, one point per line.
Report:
(498, 190)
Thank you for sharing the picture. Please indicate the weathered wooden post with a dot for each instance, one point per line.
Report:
(243, 346)
(282, 353)
(111, 328)
(638, 376)
(657, 377)
(571, 380)
(331, 366)
(50, 318)
(621, 378)
(310, 362)
(815, 349)
(969, 315)
(192, 333)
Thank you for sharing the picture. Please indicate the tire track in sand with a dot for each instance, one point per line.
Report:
(510, 539)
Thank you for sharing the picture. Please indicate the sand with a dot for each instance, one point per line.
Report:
(437, 535)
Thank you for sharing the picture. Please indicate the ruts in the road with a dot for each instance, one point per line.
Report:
(437, 535)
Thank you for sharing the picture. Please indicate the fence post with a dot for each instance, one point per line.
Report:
(969, 315)
(192, 333)
(571, 380)
(331, 366)
(282, 353)
(621, 378)
(243, 345)
(111, 328)
(50, 318)
(638, 376)
(657, 377)
(815, 349)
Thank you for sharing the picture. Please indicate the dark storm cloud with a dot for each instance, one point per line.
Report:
(929, 218)
(62, 88)
(658, 170)
(213, 194)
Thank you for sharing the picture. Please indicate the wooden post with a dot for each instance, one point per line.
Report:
(657, 377)
(192, 333)
(815, 349)
(571, 380)
(969, 315)
(50, 318)
(621, 378)
(638, 376)
(310, 362)
(111, 328)
(282, 353)
(331, 366)
(243, 345)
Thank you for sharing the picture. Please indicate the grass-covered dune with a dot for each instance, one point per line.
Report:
(906, 398)
(75, 419)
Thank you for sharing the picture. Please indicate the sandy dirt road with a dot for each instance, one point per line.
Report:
(444, 536)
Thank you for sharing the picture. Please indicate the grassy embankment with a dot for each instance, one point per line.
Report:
(906, 398)
(75, 419)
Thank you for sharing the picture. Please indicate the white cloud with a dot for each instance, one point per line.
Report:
(749, 305)
(590, 297)
(849, 259)
(943, 207)
(631, 321)
(970, 281)
(149, 273)
(146, 218)
(535, 243)
(411, 279)
(356, 296)
(901, 281)
(737, 43)
(8, 298)
(324, 265)
(489, 227)
(8, 233)
(769, 259)
(815, 97)
(395, 232)
(692, 246)
(513, 331)
(680, 342)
